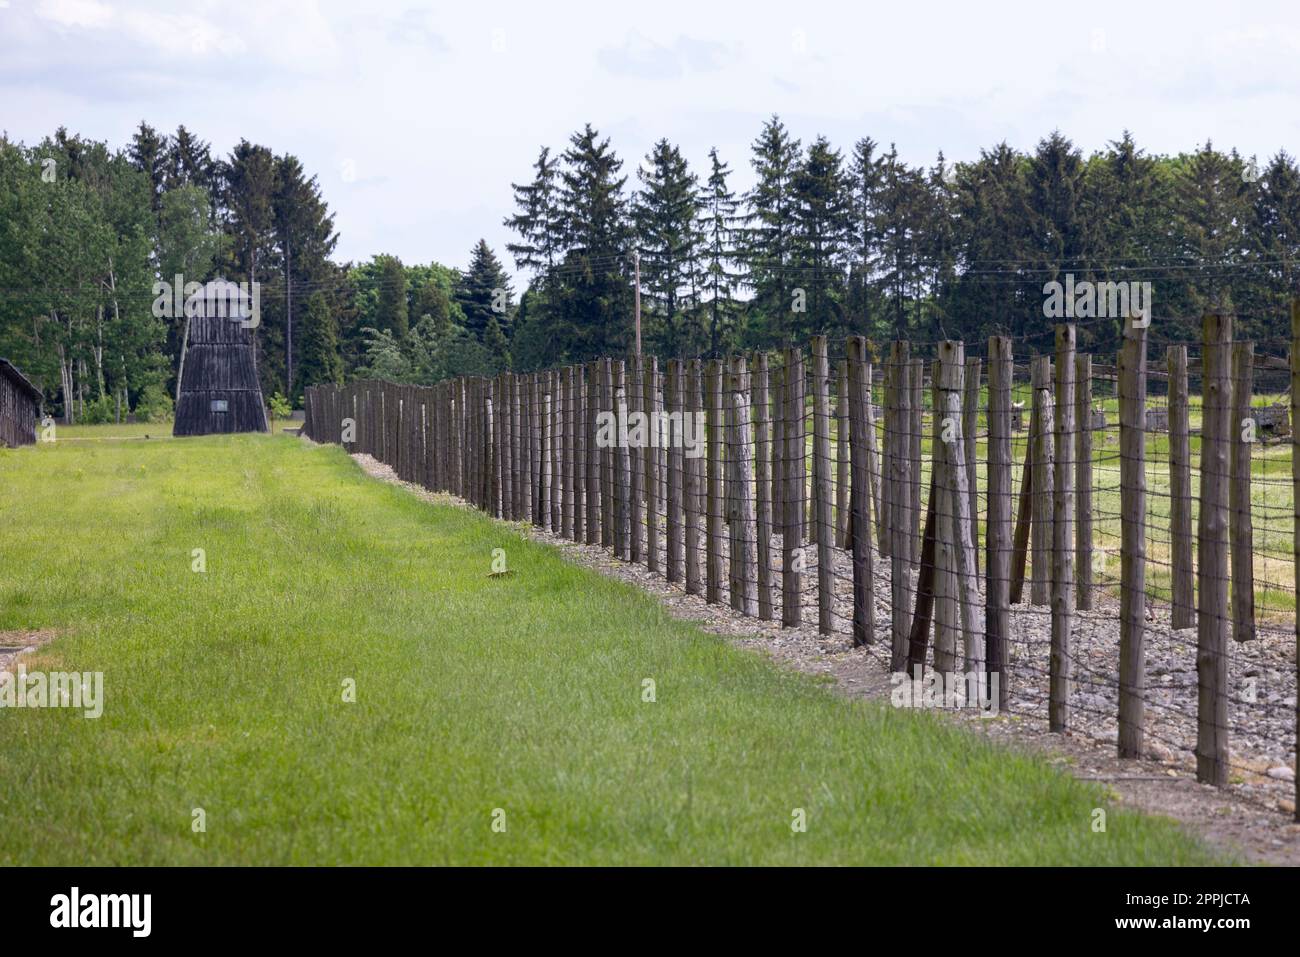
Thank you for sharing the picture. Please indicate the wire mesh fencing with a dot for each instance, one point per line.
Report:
(1106, 544)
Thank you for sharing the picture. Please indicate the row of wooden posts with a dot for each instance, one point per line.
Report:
(528, 447)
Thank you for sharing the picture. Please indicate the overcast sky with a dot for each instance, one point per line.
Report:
(417, 117)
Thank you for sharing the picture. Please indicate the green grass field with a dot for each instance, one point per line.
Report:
(224, 691)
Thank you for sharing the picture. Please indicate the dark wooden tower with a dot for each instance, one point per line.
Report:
(20, 405)
(219, 390)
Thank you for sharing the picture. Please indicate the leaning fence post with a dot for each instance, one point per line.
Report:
(1062, 532)
(997, 565)
(1133, 487)
(857, 401)
(1242, 530)
(1180, 491)
(822, 483)
(1212, 553)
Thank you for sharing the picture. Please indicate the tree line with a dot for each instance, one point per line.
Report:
(826, 240)
(860, 242)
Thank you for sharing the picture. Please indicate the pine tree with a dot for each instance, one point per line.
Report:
(391, 313)
(822, 221)
(537, 221)
(484, 293)
(899, 223)
(991, 235)
(1274, 244)
(863, 298)
(321, 361)
(1212, 210)
(719, 224)
(304, 239)
(592, 307)
(768, 227)
(148, 152)
(665, 212)
(188, 161)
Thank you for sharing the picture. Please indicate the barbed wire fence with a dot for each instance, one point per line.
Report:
(1105, 545)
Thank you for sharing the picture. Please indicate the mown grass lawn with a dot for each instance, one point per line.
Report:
(224, 691)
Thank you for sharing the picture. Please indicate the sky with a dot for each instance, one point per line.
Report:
(416, 118)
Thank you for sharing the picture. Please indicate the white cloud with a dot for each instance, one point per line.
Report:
(75, 13)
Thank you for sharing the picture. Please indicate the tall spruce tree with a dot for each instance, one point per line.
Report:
(321, 361)
(391, 312)
(665, 212)
(822, 220)
(720, 226)
(592, 309)
(768, 243)
(485, 295)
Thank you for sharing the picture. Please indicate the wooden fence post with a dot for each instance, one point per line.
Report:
(822, 484)
(713, 541)
(842, 455)
(1212, 553)
(1041, 531)
(997, 565)
(650, 459)
(595, 515)
(1083, 481)
(578, 450)
(763, 481)
(946, 609)
(857, 401)
(618, 461)
(898, 419)
(1295, 497)
(1133, 488)
(916, 380)
(742, 586)
(970, 432)
(694, 473)
(952, 418)
(673, 387)
(1062, 533)
(792, 492)
(607, 405)
(874, 474)
(568, 502)
(1180, 491)
(634, 391)
(1241, 531)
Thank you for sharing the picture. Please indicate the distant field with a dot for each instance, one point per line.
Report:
(517, 699)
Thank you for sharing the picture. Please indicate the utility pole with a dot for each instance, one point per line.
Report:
(636, 262)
